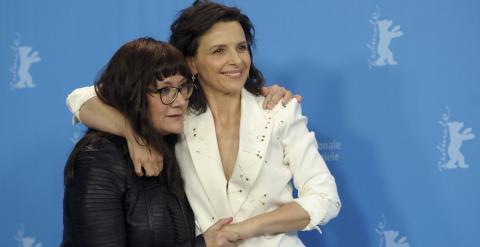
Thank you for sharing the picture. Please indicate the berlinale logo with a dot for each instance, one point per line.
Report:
(26, 241)
(390, 238)
(453, 137)
(330, 150)
(381, 54)
(23, 60)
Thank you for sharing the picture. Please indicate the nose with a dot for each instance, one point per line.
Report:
(234, 57)
(179, 101)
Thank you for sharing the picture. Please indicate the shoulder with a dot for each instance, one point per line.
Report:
(102, 151)
(250, 98)
(102, 143)
(286, 113)
(292, 107)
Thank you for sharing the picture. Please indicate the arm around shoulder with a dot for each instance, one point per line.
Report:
(77, 98)
(91, 111)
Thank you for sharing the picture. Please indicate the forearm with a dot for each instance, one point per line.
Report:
(287, 218)
(91, 111)
(97, 115)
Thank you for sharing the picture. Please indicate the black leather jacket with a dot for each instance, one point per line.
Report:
(106, 204)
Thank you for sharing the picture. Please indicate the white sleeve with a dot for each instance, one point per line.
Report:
(77, 98)
(317, 191)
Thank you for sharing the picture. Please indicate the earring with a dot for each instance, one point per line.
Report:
(194, 78)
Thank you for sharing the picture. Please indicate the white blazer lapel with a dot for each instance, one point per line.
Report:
(255, 131)
(200, 135)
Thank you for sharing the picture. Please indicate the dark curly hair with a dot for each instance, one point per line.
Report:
(195, 21)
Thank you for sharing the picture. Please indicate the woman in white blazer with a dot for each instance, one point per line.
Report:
(237, 159)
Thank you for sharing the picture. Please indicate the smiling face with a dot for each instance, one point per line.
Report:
(167, 119)
(222, 60)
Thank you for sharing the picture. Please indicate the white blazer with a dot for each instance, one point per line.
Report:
(275, 147)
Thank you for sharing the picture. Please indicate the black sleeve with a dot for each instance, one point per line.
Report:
(198, 241)
(93, 203)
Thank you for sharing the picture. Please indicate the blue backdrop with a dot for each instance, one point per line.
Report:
(390, 89)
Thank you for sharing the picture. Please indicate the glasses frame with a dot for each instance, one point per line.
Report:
(177, 91)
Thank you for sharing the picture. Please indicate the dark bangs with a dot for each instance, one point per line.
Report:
(172, 63)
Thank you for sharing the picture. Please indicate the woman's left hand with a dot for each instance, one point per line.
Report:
(217, 236)
(244, 229)
(275, 93)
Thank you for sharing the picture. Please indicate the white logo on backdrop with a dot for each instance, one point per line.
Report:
(26, 241)
(379, 45)
(330, 150)
(20, 69)
(390, 238)
(452, 140)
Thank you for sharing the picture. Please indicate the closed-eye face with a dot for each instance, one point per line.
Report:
(222, 61)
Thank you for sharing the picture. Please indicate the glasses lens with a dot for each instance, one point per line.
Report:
(168, 95)
(187, 90)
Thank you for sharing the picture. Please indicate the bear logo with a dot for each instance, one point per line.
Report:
(26, 241)
(381, 54)
(24, 58)
(457, 137)
(389, 238)
(385, 38)
(392, 241)
(454, 134)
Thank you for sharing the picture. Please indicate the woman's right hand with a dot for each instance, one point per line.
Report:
(215, 237)
(144, 157)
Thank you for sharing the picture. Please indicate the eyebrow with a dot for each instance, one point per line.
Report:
(169, 83)
(223, 45)
(216, 47)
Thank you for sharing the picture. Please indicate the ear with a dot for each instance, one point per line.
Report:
(192, 65)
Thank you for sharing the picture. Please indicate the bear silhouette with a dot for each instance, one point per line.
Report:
(385, 38)
(392, 241)
(26, 60)
(24, 241)
(456, 140)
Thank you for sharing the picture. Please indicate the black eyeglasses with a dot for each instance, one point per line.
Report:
(169, 94)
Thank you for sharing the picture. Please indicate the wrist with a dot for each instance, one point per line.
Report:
(127, 131)
(250, 228)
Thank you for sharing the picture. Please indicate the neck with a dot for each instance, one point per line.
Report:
(225, 108)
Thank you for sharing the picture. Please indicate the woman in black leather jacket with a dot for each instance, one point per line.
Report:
(105, 203)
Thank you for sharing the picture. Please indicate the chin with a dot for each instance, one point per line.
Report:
(237, 88)
(173, 128)
(176, 131)
(165, 132)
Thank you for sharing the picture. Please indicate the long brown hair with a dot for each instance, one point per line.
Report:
(124, 84)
